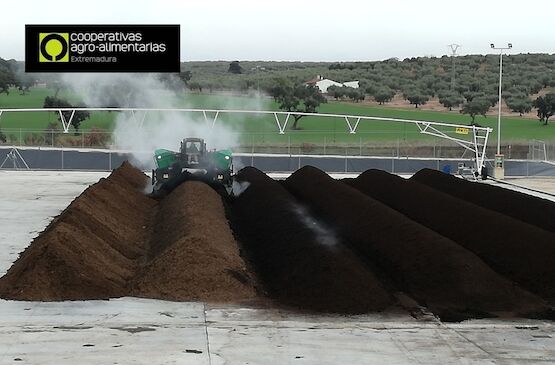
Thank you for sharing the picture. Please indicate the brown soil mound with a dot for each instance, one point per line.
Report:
(127, 174)
(431, 268)
(522, 252)
(529, 209)
(193, 253)
(91, 250)
(297, 264)
(102, 245)
(114, 241)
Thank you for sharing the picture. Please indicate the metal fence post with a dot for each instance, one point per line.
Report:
(393, 162)
(252, 151)
(289, 145)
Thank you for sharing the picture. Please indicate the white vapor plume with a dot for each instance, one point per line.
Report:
(324, 235)
(166, 132)
(239, 187)
(120, 89)
(139, 133)
(255, 100)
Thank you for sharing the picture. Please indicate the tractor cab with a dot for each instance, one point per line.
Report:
(192, 150)
(192, 162)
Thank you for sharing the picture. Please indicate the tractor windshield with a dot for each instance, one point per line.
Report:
(192, 147)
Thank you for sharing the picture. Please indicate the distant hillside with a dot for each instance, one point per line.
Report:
(475, 75)
(418, 79)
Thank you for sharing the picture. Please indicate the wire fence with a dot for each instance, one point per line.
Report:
(22, 158)
(315, 143)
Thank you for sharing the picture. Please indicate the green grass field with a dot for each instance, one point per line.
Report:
(262, 129)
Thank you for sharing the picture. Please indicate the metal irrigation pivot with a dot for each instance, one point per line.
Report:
(501, 49)
(471, 138)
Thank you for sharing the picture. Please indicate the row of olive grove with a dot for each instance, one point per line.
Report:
(468, 83)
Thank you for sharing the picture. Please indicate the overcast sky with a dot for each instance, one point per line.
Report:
(301, 30)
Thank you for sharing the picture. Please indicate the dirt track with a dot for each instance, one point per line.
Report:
(313, 243)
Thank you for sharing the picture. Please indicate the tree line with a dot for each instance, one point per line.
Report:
(468, 83)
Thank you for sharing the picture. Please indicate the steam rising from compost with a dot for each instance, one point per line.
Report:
(324, 235)
(142, 133)
(166, 132)
(239, 187)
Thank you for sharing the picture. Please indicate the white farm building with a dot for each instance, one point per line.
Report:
(323, 83)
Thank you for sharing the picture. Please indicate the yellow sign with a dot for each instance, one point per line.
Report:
(53, 47)
(461, 130)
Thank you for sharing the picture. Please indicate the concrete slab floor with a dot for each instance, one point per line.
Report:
(546, 184)
(540, 187)
(142, 331)
(102, 332)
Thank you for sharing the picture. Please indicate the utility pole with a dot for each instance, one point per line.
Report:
(501, 49)
(454, 47)
(499, 164)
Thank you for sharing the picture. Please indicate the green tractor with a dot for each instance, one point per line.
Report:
(192, 162)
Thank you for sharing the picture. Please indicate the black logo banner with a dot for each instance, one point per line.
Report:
(102, 48)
